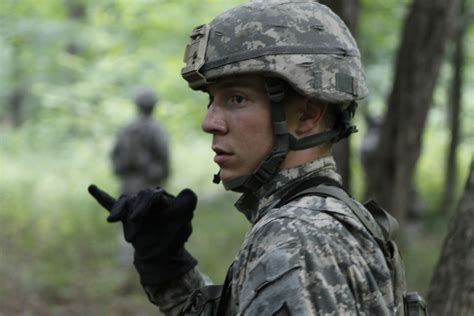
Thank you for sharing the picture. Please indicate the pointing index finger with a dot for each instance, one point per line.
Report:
(104, 199)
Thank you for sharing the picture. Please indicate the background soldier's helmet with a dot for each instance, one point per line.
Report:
(302, 42)
(145, 98)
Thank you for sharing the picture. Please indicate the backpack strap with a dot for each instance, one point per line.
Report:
(387, 223)
(338, 193)
(303, 186)
(383, 228)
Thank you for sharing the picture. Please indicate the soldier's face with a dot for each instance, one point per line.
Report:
(239, 119)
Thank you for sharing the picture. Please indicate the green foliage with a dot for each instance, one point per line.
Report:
(117, 46)
(77, 76)
(56, 241)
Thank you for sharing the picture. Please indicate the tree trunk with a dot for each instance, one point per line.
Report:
(451, 290)
(426, 32)
(454, 122)
(348, 10)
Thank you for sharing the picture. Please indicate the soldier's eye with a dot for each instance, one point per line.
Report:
(237, 99)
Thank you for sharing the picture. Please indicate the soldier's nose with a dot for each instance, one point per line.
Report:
(214, 122)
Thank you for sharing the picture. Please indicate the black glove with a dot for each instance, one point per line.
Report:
(157, 224)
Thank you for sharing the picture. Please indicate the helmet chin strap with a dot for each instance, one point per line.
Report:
(284, 141)
(275, 89)
(342, 129)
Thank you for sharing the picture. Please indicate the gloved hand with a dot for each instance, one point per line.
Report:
(157, 224)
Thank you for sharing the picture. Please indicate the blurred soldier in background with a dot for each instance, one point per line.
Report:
(140, 156)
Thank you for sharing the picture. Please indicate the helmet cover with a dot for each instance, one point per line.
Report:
(301, 42)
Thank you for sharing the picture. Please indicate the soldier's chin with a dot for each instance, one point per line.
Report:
(225, 175)
(228, 175)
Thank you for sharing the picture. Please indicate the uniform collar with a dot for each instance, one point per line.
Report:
(252, 204)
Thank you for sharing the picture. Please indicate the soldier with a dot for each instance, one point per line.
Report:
(140, 155)
(140, 158)
(283, 78)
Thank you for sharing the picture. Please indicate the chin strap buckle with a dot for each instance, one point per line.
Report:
(344, 125)
(275, 89)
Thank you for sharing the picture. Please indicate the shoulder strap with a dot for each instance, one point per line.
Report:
(388, 224)
(226, 292)
(324, 186)
(340, 194)
(303, 186)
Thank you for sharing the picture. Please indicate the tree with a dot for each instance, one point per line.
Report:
(348, 10)
(426, 31)
(451, 291)
(454, 108)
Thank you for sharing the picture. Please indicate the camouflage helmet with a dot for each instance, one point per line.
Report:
(302, 42)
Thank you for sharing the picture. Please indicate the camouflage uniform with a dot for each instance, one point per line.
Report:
(140, 156)
(309, 257)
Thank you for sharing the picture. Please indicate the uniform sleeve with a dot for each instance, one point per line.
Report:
(306, 269)
(275, 284)
(173, 298)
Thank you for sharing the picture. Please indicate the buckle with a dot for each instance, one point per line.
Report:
(275, 89)
(414, 304)
(262, 175)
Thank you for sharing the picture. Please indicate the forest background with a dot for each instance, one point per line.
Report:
(68, 70)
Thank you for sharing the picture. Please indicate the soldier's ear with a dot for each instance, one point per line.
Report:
(311, 114)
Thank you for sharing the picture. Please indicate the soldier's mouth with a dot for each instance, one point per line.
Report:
(221, 155)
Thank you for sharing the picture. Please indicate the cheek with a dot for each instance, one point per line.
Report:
(259, 139)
